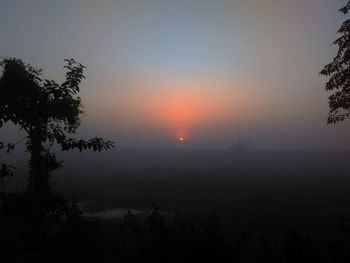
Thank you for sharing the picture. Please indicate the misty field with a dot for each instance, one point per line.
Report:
(270, 188)
(283, 202)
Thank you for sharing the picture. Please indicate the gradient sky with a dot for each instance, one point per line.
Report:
(200, 69)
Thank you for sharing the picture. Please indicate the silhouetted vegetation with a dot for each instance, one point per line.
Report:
(41, 224)
(338, 72)
(154, 236)
(47, 113)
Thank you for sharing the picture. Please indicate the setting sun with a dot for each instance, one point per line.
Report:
(223, 127)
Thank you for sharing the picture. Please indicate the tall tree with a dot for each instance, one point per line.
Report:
(47, 112)
(338, 72)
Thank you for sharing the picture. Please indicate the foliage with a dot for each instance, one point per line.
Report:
(338, 72)
(6, 171)
(46, 111)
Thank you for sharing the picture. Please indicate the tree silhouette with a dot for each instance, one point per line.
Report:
(338, 72)
(47, 112)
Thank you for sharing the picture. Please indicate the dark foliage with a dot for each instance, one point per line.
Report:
(40, 225)
(297, 247)
(338, 72)
(68, 236)
(47, 112)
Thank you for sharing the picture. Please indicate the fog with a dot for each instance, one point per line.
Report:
(158, 69)
(211, 123)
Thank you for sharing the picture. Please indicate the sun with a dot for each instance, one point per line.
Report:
(181, 139)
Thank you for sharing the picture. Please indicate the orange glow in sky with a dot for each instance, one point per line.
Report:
(181, 136)
(179, 111)
(182, 106)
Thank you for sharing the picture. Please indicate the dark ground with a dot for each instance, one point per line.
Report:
(271, 188)
(291, 205)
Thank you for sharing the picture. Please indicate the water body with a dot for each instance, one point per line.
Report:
(114, 213)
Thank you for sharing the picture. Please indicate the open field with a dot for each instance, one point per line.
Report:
(272, 189)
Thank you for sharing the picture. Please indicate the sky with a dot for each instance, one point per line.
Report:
(208, 71)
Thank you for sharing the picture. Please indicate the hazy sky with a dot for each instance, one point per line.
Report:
(201, 69)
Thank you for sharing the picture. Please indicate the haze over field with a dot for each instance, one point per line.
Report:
(174, 131)
(202, 70)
